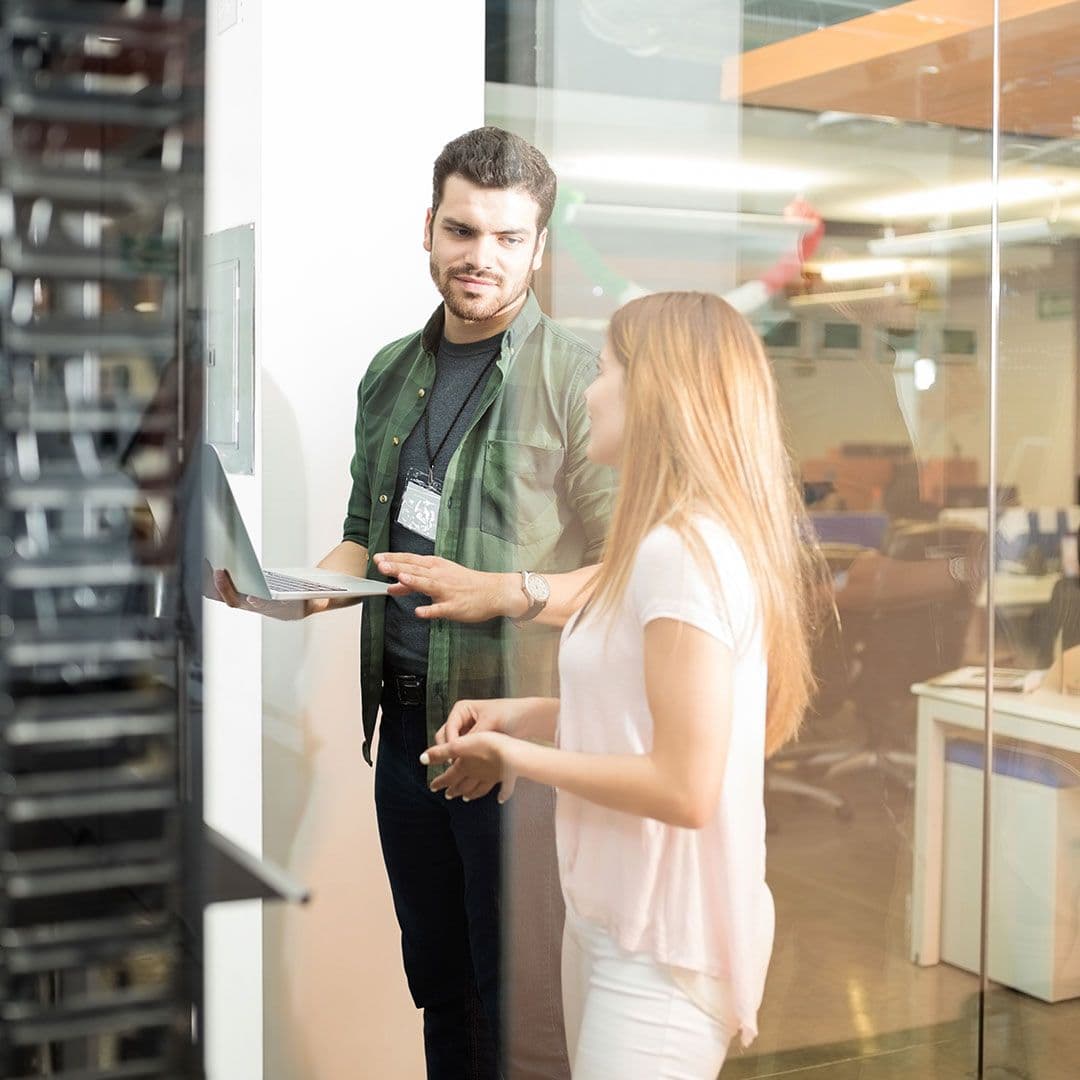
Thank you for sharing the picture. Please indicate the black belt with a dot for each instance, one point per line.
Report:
(410, 690)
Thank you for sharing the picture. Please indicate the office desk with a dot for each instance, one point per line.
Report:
(1023, 592)
(1043, 718)
(1018, 601)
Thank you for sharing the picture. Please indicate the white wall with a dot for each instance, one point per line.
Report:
(323, 129)
(232, 640)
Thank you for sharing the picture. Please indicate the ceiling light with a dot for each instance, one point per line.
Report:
(925, 373)
(943, 241)
(716, 174)
(854, 296)
(678, 220)
(857, 269)
(968, 198)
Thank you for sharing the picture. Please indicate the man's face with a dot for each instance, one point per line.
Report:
(484, 248)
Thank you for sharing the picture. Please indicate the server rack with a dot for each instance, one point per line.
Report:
(101, 107)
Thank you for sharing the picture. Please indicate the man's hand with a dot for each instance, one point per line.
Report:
(457, 593)
(478, 761)
(218, 585)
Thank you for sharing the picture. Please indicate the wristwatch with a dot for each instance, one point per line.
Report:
(537, 591)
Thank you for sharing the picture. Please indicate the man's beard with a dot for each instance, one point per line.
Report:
(478, 308)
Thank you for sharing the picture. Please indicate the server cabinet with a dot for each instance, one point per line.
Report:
(101, 114)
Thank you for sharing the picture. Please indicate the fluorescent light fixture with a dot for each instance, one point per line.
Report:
(925, 373)
(968, 198)
(854, 296)
(669, 219)
(717, 174)
(859, 269)
(945, 241)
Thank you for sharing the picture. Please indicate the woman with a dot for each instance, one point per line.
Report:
(688, 664)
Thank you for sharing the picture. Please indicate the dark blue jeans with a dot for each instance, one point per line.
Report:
(442, 858)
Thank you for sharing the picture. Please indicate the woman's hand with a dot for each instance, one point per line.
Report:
(478, 761)
(494, 714)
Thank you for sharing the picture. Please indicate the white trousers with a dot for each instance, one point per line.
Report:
(627, 1018)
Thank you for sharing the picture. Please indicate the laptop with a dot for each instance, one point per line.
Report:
(227, 546)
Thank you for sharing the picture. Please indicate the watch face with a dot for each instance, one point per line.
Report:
(538, 588)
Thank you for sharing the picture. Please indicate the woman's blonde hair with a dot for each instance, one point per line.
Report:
(703, 436)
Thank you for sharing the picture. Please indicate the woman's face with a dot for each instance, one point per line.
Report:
(605, 400)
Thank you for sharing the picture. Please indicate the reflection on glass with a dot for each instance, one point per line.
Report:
(680, 138)
(1032, 876)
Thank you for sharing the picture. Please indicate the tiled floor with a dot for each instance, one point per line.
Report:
(843, 1001)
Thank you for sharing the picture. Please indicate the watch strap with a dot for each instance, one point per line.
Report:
(535, 606)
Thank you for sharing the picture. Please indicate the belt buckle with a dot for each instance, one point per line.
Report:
(410, 690)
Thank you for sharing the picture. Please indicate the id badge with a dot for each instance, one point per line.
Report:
(419, 511)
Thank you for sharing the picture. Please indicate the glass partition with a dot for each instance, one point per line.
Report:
(1032, 961)
(830, 169)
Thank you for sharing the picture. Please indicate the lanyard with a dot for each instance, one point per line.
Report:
(432, 455)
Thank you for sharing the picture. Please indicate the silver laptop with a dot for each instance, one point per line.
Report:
(227, 546)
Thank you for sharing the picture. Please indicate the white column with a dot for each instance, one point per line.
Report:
(357, 101)
(232, 639)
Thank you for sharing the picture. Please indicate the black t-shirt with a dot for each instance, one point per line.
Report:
(451, 410)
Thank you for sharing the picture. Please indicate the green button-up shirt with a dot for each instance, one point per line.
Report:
(519, 493)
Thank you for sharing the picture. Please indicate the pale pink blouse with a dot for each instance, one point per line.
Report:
(693, 899)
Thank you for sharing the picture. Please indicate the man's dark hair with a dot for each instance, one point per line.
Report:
(493, 158)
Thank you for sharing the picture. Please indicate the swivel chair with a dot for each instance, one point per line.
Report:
(902, 643)
(786, 771)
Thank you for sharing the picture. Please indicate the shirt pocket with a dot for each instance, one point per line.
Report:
(520, 504)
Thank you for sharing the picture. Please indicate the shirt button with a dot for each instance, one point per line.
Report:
(421, 392)
(382, 498)
(395, 440)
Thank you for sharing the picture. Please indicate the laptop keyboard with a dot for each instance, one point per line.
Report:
(284, 583)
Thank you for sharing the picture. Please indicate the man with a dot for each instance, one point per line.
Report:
(471, 448)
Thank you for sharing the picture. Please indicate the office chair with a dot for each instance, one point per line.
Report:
(903, 643)
(1061, 620)
(784, 771)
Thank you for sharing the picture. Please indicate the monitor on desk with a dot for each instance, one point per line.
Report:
(851, 527)
(976, 495)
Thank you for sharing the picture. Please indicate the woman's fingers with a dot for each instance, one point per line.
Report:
(452, 782)
(475, 789)
(461, 719)
(506, 787)
(436, 755)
